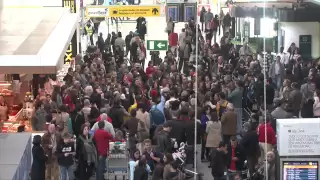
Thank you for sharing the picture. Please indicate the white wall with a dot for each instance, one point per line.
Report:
(294, 29)
(32, 3)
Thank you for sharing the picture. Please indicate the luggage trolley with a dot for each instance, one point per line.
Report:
(118, 160)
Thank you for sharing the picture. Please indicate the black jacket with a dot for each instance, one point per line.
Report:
(77, 119)
(164, 144)
(63, 148)
(140, 173)
(250, 142)
(178, 130)
(218, 163)
(239, 153)
(116, 114)
(38, 169)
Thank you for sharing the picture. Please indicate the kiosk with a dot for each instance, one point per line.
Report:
(298, 142)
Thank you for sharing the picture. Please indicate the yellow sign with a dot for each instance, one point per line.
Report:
(122, 11)
(134, 11)
(68, 55)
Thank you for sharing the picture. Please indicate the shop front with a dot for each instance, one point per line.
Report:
(30, 52)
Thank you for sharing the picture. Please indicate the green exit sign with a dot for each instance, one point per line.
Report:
(157, 45)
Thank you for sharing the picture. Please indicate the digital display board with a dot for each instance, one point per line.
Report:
(300, 170)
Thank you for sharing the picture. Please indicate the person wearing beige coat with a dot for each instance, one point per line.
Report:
(213, 131)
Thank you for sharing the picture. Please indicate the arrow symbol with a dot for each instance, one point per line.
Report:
(160, 45)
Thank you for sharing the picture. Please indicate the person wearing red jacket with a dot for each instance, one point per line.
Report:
(150, 69)
(267, 136)
(102, 139)
(173, 42)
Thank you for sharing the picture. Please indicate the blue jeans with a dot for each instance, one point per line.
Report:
(101, 167)
(66, 171)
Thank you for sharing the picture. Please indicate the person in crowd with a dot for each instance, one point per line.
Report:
(229, 123)
(250, 142)
(86, 154)
(131, 127)
(89, 31)
(207, 18)
(39, 118)
(62, 120)
(277, 72)
(296, 99)
(235, 97)
(175, 174)
(140, 172)
(213, 131)
(218, 161)
(168, 159)
(226, 23)
(235, 157)
(127, 41)
(269, 166)
(267, 136)
(151, 155)
(170, 26)
(107, 126)
(39, 158)
(102, 139)
(164, 143)
(50, 141)
(65, 154)
(202, 15)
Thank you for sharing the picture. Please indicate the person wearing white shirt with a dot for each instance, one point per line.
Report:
(284, 58)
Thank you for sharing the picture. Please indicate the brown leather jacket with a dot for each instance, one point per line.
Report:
(46, 141)
(229, 123)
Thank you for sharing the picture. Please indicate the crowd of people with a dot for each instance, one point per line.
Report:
(230, 108)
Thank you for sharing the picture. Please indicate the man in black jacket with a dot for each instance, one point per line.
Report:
(250, 143)
(219, 161)
(163, 140)
(235, 157)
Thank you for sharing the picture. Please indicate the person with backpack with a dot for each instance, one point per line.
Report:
(156, 113)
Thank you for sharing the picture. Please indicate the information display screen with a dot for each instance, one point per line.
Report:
(300, 170)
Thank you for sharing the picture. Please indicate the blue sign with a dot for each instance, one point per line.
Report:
(189, 13)
(173, 13)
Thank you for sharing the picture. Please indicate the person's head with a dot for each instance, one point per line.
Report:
(85, 130)
(233, 141)
(67, 137)
(281, 49)
(119, 135)
(223, 146)
(230, 107)
(270, 156)
(237, 177)
(174, 166)
(133, 113)
(36, 140)
(166, 127)
(51, 128)
(147, 144)
(86, 102)
(63, 108)
(101, 124)
(119, 34)
(142, 162)
(135, 155)
(221, 96)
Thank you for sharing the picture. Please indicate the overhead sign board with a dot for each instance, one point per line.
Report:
(123, 11)
(157, 45)
(298, 137)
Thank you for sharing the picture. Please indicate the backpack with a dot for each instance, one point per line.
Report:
(156, 116)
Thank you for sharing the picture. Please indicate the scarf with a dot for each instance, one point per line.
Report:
(89, 151)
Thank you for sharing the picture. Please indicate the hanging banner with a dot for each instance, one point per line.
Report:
(72, 48)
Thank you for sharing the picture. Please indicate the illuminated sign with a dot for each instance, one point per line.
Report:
(122, 11)
(68, 55)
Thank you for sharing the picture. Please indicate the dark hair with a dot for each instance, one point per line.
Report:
(132, 154)
(63, 108)
(169, 158)
(174, 165)
(82, 128)
(101, 124)
(36, 140)
(222, 144)
(222, 95)
(142, 162)
(133, 113)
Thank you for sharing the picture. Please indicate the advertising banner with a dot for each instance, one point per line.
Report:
(122, 11)
(72, 49)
